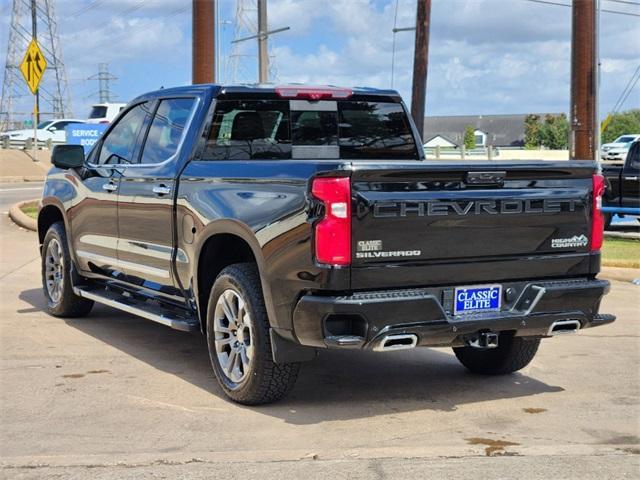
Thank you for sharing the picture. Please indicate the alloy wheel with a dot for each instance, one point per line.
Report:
(54, 270)
(233, 332)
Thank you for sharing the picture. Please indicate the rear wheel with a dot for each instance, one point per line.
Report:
(512, 354)
(239, 342)
(57, 276)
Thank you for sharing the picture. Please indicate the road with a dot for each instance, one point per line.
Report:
(11, 193)
(112, 396)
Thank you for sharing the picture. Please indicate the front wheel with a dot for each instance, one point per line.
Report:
(512, 354)
(238, 339)
(57, 274)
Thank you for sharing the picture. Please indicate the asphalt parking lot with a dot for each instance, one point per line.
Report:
(114, 396)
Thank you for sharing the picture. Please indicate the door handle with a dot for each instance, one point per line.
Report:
(161, 190)
(109, 187)
(631, 178)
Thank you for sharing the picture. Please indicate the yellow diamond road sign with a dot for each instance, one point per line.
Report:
(33, 66)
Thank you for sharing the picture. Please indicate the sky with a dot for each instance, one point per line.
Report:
(485, 56)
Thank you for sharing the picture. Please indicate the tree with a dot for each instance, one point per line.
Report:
(469, 138)
(554, 132)
(532, 138)
(621, 123)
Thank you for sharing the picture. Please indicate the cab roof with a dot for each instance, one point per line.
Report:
(234, 90)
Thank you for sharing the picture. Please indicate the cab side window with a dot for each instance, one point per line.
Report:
(167, 129)
(119, 146)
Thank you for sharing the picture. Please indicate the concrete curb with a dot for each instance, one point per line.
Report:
(20, 218)
(619, 273)
(628, 235)
(18, 179)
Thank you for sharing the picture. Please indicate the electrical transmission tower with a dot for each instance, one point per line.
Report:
(103, 77)
(17, 102)
(242, 63)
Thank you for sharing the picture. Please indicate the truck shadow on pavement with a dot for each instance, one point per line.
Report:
(338, 385)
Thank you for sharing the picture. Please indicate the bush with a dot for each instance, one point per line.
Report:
(554, 132)
(469, 138)
(621, 123)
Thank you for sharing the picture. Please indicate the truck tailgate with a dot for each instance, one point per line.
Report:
(428, 223)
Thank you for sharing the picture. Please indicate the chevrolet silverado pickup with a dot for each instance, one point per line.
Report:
(622, 194)
(279, 221)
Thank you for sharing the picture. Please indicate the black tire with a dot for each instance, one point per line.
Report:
(607, 220)
(263, 380)
(511, 354)
(67, 304)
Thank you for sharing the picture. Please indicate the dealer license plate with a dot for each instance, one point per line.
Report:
(484, 298)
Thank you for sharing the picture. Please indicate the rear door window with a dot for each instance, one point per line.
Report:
(167, 129)
(300, 129)
(249, 130)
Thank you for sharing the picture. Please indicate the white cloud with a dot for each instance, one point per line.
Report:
(486, 56)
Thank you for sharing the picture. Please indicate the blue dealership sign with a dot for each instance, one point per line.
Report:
(85, 134)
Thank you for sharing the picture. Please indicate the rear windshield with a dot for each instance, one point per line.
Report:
(98, 112)
(283, 129)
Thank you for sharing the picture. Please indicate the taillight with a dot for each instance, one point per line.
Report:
(313, 93)
(597, 218)
(333, 231)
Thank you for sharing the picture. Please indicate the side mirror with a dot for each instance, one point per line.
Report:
(52, 129)
(68, 156)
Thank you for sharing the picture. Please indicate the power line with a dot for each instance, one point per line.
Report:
(626, 2)
(114, 39)
(546, 2)
(85, 9)
(627, 90)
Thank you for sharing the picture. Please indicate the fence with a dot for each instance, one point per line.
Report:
(461, 153)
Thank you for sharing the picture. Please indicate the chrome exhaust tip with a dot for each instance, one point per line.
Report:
(403, 341)
(564, 326)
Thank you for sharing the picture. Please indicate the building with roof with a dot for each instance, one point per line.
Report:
(489, 130)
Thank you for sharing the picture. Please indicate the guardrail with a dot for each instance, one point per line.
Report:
(7, 144)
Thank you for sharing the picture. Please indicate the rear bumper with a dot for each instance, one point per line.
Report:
(529, 309)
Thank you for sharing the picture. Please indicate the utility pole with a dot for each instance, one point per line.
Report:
(103, 77)
(584, 78)
(420, 63)
(263, 54)
(203, 47)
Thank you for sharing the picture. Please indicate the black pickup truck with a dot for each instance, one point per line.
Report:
(283, 220)
(622, 194)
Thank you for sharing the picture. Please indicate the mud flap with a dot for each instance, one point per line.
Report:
(286, 351)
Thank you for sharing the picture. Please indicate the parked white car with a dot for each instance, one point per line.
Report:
(105, 112)
(47, 130)
(618, 149)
